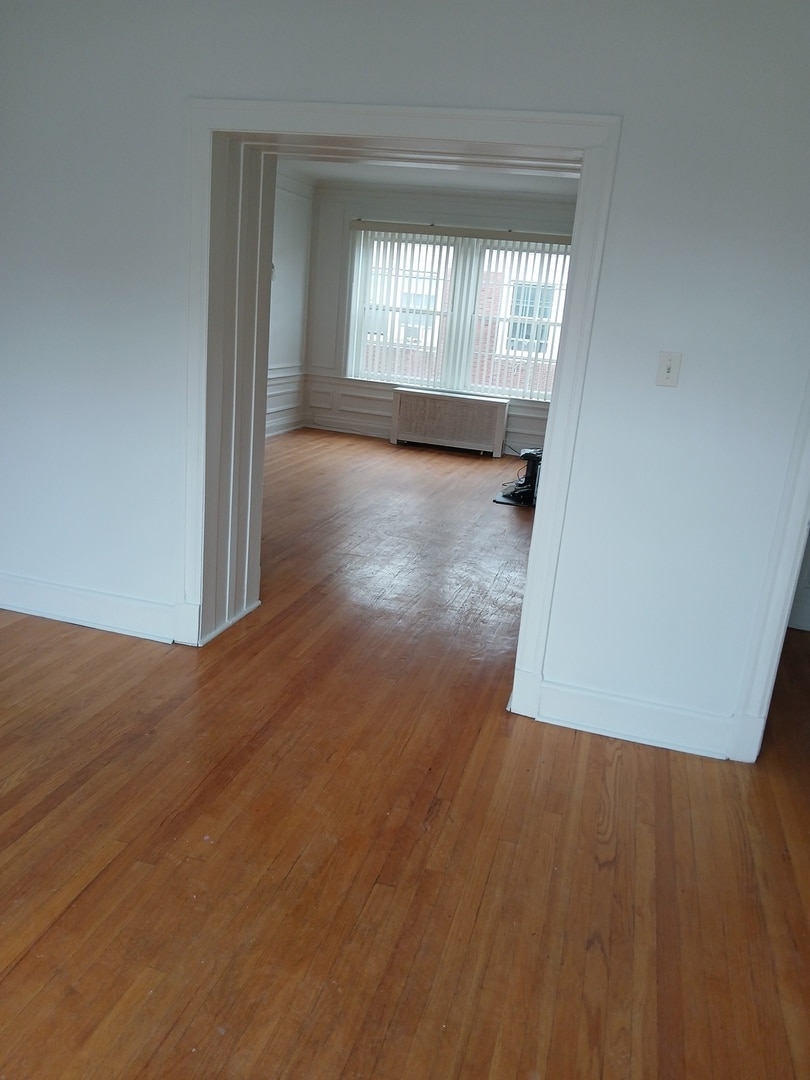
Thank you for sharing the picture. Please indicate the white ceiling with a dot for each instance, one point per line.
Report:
(561, 183)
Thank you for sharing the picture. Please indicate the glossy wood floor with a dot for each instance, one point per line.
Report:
(320, 847)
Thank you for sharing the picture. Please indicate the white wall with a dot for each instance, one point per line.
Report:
(288, 303)
(359, 406)
(676, 496)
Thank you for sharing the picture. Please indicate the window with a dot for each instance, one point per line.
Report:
(416, 318)
(481, 313)
(531, 314)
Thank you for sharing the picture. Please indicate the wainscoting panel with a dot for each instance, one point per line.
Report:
(359, 407)
(525, 425)
(284, 403)
(354, 406)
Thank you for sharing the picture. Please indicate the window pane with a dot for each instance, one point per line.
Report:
(520, 317)
(401, 292)
(457, 313)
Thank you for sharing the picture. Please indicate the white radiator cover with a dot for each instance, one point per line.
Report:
(442, 418)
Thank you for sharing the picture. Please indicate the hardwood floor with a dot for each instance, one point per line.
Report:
(319, 847)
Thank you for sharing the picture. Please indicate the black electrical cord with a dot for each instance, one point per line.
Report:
(520, 477)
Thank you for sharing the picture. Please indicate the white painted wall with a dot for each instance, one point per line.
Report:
(292, 235)
(680, 500)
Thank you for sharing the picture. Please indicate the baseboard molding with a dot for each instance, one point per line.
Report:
(281, 422)
(102, 611)
(650, 723)
(284, 410)
(356, 426)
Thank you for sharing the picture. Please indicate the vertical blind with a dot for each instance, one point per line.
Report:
(457, 310)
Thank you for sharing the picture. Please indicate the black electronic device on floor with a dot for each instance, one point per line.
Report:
(523, 492)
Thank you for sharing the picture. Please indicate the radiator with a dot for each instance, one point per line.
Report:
(445, 419)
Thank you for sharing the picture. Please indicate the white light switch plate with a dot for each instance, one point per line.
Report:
(669, 368)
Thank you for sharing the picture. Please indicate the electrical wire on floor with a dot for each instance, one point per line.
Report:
(523, 489)
(520, 476)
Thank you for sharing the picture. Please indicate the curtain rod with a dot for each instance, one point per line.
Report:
(446, 230)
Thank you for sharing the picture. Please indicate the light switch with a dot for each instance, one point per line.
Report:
(669, 368)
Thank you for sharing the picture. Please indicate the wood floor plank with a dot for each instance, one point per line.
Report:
(707, 838)
(670, 1005)
(644, 1032)
(787, 920)
(764, 1039)
(691, 944)
(617, 844)
(321, 847)
(557, 929)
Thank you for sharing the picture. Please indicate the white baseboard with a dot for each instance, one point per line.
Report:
(280, 423)
(357, 426)
(651, 723)
(102, 611)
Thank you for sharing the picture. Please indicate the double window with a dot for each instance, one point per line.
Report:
(457, 310)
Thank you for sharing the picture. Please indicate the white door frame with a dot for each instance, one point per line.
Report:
(230, 141)
(228, 386)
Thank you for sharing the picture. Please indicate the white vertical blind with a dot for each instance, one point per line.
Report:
(457, 311)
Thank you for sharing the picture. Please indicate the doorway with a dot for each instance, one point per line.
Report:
(235, 146)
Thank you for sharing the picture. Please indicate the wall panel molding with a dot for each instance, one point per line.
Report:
(284, 403)
(359, 407)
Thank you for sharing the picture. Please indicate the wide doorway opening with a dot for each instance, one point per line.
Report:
(235, 149)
